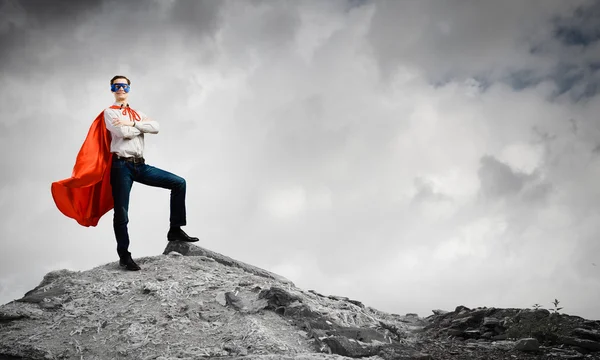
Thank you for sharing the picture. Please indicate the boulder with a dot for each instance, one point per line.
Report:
(528, 344)
(245, 303)
(587, 334)
(490, 322)
(344, 346)
(582, 343)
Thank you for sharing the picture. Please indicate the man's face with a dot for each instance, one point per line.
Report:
(120, 93)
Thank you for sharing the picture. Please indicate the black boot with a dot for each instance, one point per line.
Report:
(127, 262)
(176, 234)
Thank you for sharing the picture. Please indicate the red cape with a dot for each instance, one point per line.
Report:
(87, 194)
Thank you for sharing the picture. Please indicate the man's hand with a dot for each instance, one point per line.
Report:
(118, 122)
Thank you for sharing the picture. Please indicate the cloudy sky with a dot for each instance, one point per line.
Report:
(412, 155)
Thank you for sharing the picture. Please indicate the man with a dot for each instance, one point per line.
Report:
(127, 128)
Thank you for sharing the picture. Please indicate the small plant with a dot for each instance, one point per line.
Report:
(556, 308)
(544, 325)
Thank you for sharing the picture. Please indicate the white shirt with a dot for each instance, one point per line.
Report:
(128, 141)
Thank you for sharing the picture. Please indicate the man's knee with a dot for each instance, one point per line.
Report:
(180, 183)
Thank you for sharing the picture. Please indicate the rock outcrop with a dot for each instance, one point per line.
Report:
(538, 332)
(192, 303)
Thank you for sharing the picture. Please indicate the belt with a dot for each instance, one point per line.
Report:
(132, 159)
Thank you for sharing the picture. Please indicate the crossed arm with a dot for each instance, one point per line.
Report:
(129, 129)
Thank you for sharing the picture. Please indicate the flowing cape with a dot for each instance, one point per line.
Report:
(87, 195)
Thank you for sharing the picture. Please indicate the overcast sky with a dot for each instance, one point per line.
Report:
(412, 155)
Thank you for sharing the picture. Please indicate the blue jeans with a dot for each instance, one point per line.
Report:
(122, 176)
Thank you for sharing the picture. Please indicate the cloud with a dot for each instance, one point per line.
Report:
(407, 155)
(498, 179)
(520, 44)
(458, 40)
(579, 28)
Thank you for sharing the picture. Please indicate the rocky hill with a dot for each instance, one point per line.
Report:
(191, 303)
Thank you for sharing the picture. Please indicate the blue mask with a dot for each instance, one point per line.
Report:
(116, 87)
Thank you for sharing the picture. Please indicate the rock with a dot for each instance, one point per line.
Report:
(53, 276)
(233, 300)
(566, 356)
(528, 344)
(477, 315)
(303, 314)
(397, 352)
(460, 309)
(342, 298)
(149, 288)
(220, 298)
(235, 350)
(582, 343)
(487, 334)
(455, 332)
(540, 313)
(277, 297)
(50, 305)
(317, 334)
(503, 345)
(587, 334)
(591, 323)
(463, 322)
(499, 330)
(393, 329)
(295, 325)
(341, 345)
(7, 317)
(500, 337)
(439, 312)
(360, 334)
(490, 321)
(243, 304)
(472, 334)
(357, 303)
(316, 293)
(188, 249)
(484, 325)
(38, 294)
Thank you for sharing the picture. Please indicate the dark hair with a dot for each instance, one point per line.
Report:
(120, 77)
